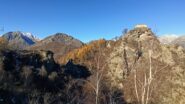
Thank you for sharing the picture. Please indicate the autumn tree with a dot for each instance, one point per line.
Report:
(84, 53)
(3, 43)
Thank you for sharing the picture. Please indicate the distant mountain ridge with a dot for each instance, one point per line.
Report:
(173, 39)
(167, 39)
(59, 43)
(179, 41)
(20, 40)
(60, 37)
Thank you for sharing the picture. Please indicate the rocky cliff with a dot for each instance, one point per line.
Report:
(140, 60)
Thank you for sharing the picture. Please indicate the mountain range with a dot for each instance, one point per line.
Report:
(58, 43)
(137, 68)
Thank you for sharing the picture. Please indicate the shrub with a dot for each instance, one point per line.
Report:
(43, 72)
(53, 76)
(27, 71)
(84, 53)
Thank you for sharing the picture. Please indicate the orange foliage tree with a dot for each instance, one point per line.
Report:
(3, 43)
(83, 53)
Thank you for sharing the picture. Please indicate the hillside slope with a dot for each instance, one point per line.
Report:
(142, 68)
(33, 77)
(141, 64)
(58, 43)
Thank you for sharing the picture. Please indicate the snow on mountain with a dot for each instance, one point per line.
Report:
(30, 35)
(20, 40)
(167, 39)
(179, 41)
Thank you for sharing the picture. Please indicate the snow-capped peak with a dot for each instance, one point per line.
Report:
(166, 39)
(30, 35)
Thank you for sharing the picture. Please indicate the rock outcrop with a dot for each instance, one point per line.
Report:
(133, 55)
(134, 45)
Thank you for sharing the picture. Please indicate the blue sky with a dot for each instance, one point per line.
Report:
(91, 19)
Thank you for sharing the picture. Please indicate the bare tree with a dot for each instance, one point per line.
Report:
(144, 86)
(100, 65)
(97, 66)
